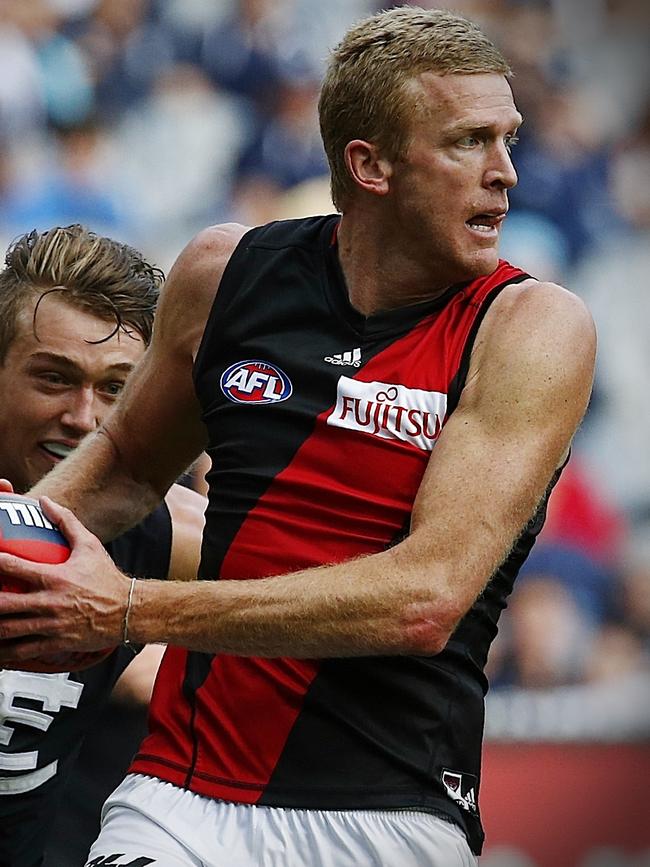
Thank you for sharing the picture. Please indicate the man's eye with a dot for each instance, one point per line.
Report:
(511, 141)
(468, 141)
(52, 378)
(113, 388)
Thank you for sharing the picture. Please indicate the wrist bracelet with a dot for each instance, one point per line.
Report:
(125, 623)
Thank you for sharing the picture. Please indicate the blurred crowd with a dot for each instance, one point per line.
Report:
(148, 119)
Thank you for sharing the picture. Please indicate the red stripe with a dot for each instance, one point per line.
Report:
(244, 747)
(173, 739)
(35, 550)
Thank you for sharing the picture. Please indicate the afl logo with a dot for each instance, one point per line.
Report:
(255, 381)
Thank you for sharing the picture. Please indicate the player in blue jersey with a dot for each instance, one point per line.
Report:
(76, 314)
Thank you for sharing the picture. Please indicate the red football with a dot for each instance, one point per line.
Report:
(27, 533)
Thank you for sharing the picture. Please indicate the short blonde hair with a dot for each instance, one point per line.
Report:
(365, 94)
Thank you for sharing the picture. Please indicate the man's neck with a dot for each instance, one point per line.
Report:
(379, 273)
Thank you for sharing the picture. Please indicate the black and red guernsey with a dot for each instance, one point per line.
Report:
(321, 422)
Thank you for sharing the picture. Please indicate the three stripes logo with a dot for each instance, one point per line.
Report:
(115, 861)
(461, 788)
(352, 358)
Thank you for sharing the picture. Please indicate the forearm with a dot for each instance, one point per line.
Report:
(364, 607)
(95, 484)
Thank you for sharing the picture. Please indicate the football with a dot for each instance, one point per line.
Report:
(26, 532)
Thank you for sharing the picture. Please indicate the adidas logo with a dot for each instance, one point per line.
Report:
(461, 788)
(347, 359)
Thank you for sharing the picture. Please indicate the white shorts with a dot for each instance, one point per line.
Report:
(148, 822)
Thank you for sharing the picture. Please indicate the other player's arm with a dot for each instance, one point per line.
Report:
(120, 473)
(528, 386)
(135, 685)
(186, 509)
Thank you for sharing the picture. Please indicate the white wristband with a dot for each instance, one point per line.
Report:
(125, 622)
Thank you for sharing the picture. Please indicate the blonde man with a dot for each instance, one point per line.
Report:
(386, 405)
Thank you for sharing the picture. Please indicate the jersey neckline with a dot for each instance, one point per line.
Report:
(386, 321)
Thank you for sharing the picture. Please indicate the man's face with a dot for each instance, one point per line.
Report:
(450, 189)
(56, 386)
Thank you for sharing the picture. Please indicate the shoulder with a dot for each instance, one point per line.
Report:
(537, 341)
(211, 247)
(542, 319)
(201, 263)
(530, 297)
(193, 281)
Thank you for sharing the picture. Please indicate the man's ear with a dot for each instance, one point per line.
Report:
(368, 169)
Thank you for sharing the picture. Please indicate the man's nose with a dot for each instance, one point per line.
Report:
(501, 170)
(81, 412)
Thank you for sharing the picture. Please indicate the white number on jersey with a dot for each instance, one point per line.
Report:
(52, 692)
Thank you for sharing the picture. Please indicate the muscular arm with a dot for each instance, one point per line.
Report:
(527, 389)
(120, 473)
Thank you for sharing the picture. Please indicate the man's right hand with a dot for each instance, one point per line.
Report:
(76, 605)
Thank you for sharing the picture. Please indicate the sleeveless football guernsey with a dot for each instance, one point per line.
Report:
(321, 422)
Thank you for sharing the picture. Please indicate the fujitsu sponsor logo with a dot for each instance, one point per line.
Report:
(390, 411)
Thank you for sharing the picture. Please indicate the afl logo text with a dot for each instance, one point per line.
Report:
(255, 381)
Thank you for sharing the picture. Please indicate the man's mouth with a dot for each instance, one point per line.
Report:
(486, 223)
(57, 450)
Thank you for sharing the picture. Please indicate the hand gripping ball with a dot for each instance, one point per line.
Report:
(27, 533)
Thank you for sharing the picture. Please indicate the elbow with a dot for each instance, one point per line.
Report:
(426, 628)
(430, 603)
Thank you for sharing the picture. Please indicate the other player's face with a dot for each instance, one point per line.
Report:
(56, 385)
(450, 189)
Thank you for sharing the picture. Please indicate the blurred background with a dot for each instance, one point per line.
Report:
(149, 119)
